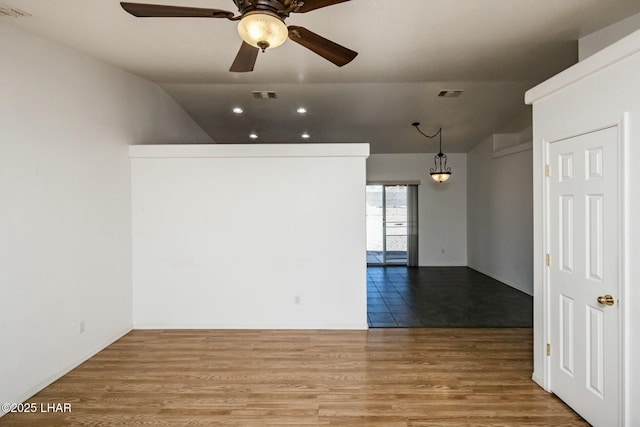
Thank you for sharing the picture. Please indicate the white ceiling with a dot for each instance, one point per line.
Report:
(409, 50)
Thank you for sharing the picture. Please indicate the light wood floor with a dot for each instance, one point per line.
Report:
(383, 377)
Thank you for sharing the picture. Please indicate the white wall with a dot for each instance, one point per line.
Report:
(594, 42)
(230, 236)
(442, 207)
(500, 215)
(600, 91)
(65, 213)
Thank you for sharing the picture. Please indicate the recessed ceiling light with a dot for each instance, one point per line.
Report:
(238, 110)
(306, 135)
(301, 110)
(253, 135)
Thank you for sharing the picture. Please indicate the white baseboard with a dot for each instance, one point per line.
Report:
(506, 282)
(311, 326)
(536, 379)
(62, 372)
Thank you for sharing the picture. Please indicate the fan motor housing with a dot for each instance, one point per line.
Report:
(273, 6)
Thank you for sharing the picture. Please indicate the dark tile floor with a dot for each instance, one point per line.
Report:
(436, 297)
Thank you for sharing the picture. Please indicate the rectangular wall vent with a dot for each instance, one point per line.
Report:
(11, 11)
(450, 93)
(260, 94)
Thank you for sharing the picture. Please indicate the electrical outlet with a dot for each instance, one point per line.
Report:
(298, 300)
(83, 326)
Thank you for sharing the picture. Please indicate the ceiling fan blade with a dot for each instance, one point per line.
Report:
(143, 10)
(310, 5)
(245, 59)
(329, 50)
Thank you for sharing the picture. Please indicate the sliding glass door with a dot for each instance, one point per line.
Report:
(387, 220)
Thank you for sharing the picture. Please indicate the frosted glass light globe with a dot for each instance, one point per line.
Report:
(440, 177)
(262, 30)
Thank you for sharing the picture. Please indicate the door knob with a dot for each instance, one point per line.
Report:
(606, 300)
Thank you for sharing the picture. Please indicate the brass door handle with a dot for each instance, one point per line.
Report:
(606, 300)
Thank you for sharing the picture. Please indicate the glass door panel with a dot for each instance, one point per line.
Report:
(375, 224)
(396, 224)
(386, 224)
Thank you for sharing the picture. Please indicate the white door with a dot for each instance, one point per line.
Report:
(583, 240)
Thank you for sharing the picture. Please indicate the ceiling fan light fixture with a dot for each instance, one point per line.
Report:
(263, 30)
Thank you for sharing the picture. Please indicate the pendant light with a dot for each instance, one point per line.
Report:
(440, 172)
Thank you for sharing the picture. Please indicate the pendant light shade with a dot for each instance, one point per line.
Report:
(262, 30)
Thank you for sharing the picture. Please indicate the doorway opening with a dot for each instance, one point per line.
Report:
(402, 294)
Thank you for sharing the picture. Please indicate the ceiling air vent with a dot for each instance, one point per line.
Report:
(11, 11)
(450, 93)
(259, 94)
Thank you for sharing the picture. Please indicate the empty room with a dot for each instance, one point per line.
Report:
(320, 213)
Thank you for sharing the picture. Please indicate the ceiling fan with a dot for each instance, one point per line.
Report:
(261, 27)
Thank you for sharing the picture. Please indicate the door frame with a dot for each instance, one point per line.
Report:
(540, 257)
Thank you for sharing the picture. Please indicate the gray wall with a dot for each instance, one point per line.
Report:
(66, 122)
(500, 215)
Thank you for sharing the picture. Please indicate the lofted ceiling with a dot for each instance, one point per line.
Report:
(409, 50)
